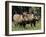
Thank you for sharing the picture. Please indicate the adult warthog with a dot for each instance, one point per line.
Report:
(25, 19)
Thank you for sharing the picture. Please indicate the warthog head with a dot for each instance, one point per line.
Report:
(37, 18)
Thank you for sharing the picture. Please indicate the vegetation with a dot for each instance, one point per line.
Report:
(17, 27)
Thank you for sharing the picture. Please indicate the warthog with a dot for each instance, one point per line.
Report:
(25, 19)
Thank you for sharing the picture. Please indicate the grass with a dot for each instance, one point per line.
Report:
(27, 27)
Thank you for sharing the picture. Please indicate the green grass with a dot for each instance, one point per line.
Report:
(17, 27)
